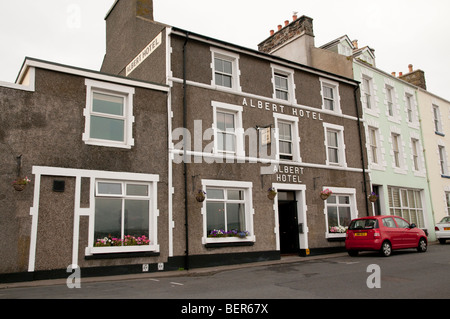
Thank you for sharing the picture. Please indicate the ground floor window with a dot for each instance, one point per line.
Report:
(340, 209)
(123, 217)
(447, 197)
(227, 211)
(406, 203)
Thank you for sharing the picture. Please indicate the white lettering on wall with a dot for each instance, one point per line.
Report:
(144, 54)
(278, 108)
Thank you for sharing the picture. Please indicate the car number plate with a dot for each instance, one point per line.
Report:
(360, 234)
(446, 228)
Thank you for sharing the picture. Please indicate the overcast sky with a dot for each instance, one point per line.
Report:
(73, 31)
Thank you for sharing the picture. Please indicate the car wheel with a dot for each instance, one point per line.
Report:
(422, 245)
(352, 253)
(442, 241)
(386, 249)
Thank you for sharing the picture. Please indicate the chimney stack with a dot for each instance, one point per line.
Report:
(144, 9)
(416, 77)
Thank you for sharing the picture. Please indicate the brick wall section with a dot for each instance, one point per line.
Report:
(416, 78)
(302, 25)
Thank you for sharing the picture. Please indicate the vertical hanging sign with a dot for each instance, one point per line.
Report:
(144, 54)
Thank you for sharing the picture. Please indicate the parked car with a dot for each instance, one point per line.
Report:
(443, 229)
(383, 234)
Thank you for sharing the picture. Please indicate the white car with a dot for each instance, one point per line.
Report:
(443, 229)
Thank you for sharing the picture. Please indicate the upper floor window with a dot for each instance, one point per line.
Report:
(335, 147)
(443, 160)
(108, 115)
(330, 95)
(367, 93)
(396, 149)
(225, 67)
(281, 86)
(437, 119)
(373, 143)
(283, 83)
(228, 132)
(415, 153)
(390, 100)
(409, 108)
(287, 136)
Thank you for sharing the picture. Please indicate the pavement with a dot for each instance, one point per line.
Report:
(177, 273)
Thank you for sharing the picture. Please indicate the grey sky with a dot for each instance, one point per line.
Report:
(73, 31)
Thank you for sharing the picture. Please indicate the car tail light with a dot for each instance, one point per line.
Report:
(436, 228)
(376, 233)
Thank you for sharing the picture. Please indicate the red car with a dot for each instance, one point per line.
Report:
(384, 234)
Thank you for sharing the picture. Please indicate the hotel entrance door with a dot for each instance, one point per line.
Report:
(288, 223)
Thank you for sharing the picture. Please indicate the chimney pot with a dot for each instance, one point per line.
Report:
(393, 74)
(294, 17)
(410, 68)
(355, 43)
(400, 74)
(280, 27)
(286, 23)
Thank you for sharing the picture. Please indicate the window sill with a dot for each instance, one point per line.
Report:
(97, 251)
(335, 237)
(228, 242)
(439, 133)
(122, 255)
(445, 176)
(107, 144)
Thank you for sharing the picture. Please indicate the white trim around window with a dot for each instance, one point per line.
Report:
(292, 122)
(228, 73)
(232, 194)
(331, 100)
(342, 205)
(334, 145)
(113, 122)
(284, 91)
(133, 204)
(236, 133)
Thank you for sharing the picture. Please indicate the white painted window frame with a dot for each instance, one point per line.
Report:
(341, 146)
(239, 131)
(235, 76)
(127, 93)
(336, 96)
(293, 121)
(340, 191)
(289, 73)
(247, 187)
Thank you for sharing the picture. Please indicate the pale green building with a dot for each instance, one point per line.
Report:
(394, 140)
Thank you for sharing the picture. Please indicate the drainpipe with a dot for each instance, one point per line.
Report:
(361, 147)
(186, 262)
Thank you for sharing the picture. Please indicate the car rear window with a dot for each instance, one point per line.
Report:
(445, 220)
(363, 224)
